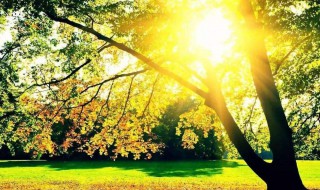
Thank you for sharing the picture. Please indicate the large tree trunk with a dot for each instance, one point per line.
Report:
(283, 171)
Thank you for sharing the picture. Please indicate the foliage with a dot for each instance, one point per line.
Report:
(64, 88)
(209, 143)
(298, 54)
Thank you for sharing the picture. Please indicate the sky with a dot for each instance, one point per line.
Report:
(5, 34)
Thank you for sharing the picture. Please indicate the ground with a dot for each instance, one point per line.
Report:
(184, 175)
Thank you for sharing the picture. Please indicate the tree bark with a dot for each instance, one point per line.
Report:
(283, 172)
(216, 101)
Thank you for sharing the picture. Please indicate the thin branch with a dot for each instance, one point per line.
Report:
(92, 20)
(80, 116)
(250, 115)
(60, 108)
(104, 46)
(113, 78)
(108, 98)
(303, 133)
(289, 53)
(136, 54)
(105, 104)
(150, 97)
(8, 51)
(92, 98)
(126, 102)
(203, 80)
(64, 78)
(55, 81)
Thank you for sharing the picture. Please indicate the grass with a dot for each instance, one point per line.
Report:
(232, 174)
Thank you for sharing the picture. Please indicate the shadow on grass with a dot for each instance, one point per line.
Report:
(152, 168)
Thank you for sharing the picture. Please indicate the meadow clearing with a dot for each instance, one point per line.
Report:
(224, 174)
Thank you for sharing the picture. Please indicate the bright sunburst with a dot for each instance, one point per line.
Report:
(212, 34)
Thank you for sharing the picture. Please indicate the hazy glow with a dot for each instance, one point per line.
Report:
(212, 34)
(5, 33)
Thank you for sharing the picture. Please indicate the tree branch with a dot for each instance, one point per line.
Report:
(203, 80)
(289, 53)
(92, 98)
(113, 78)
(136, 54)
(248, 121)
(56, 81)
(150, 97)
(105, 104)
(217, 102)
(126, 102)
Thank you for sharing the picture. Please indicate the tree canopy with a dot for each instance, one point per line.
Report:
(97, 76)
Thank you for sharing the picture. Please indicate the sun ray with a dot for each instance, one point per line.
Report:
(213, 34)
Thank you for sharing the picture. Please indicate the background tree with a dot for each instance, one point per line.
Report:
(200, 145)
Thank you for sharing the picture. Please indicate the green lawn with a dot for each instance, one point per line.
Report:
(232, 174)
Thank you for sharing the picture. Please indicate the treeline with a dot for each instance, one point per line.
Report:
(212, 146)
(209, 147)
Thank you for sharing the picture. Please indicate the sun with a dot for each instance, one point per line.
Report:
(213, 33)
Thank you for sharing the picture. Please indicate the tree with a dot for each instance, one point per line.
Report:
(95, 20)
(205, 145)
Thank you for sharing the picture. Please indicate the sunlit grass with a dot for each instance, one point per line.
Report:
(139, 175)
